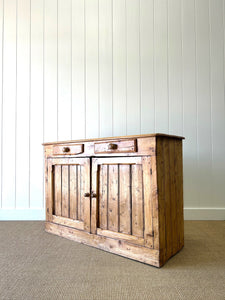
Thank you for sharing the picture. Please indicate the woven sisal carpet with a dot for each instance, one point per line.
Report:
(38, 265)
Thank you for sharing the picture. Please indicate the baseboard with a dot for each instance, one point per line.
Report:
(22, 214)
(39, 214)
(207, 213)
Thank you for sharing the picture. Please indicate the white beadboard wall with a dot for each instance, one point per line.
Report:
(74, 69)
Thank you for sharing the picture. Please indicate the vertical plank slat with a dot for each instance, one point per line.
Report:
(86, 184)
(103, 196)
(94, 205)
(105, 67)
(160, 66)
(82, 198)
(179, 193)
(204, 117)
(113, 198)
(119, 67)
(65, 191)
(64, 69)
(137, 201)
(78, 194)
(23, 105)
(167, 196)
(125, 201)
(36, 104)
(173, 198)
(154, 199)
(189, 102)
(50, 71)
(161, 195)
(147, 66)
(175, 68)
(133, 67)
(73, 192)
(58, 190)
(148, 227)
(92, 104)
(78, 69)
(9, 105)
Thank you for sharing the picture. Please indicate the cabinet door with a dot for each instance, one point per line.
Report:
(68, 181)
(123, 207)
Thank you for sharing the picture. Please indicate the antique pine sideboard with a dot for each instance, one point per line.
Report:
(120, 194)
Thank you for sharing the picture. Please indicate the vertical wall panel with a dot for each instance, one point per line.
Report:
(161, 66)
(23, 104)
(133, 67)
(64, 69)
(50, 71)
(217, 101)
(36, 105)
(189, 96)
(119, 68)
(78, 69)
(9, 105)
(105, 67)
(147, 97)
(175, 68)
(89, 68)
(1, 90)
(203, 103)
(92, 71)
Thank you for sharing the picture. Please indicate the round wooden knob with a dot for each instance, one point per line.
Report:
(93, 195)
(112, 146)
(66, 149)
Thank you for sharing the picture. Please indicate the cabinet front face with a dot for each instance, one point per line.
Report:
(68, 181)
(123, 206)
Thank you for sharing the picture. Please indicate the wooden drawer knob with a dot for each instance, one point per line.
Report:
(66, 149)
(112, 146)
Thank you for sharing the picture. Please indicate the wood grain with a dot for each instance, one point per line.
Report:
(113, 198)
(73, 192)
(65, 191)
(133, 205)
(58, 191)
(137, 201)
(125, 199)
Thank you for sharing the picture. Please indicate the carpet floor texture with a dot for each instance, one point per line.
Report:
(37, 265)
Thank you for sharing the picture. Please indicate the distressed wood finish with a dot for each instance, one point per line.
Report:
(125, 196)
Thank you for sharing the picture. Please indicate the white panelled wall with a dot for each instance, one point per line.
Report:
(73, 69)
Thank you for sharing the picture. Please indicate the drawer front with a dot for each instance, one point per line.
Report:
(116, 146)
(68, 149)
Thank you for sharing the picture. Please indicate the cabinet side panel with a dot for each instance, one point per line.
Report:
(170, 187)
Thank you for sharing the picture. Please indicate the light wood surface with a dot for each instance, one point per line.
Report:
(128, 204)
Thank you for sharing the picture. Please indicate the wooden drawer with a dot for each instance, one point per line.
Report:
(116, 146)
(68, 149)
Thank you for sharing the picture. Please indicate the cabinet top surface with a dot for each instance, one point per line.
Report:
(116, 137)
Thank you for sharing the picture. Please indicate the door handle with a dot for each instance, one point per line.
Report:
(93, 195)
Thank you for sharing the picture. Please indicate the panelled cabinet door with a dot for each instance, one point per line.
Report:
(68, 181)
(122, 208)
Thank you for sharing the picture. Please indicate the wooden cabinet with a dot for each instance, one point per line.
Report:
(123, 194)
